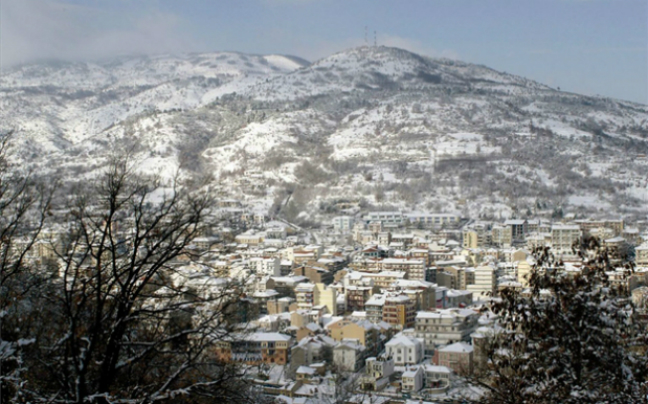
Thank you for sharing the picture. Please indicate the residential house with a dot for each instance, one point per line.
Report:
(458, 357)
(405, 350)
(412, 379)
(348, 355)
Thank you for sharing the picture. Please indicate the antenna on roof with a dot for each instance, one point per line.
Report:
(366, 40)
(375, 41)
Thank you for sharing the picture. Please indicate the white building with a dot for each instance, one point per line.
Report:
(343, 223)
(412, 379)
(265, 266)
(380, 367)
(485, 282)
(444, 326)
(385, 218)
(405, 350)
(563, 237)
(436, 376)
(432, 219)
(348, 355)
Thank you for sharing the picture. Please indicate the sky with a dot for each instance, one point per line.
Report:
(585, 46)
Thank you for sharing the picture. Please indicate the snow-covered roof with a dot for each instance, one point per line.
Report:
(268, 336)
(460, 347)
(306, 370)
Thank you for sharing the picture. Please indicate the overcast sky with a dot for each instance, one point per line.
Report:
(585, 46)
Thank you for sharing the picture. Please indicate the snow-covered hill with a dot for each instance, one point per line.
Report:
(374, 125)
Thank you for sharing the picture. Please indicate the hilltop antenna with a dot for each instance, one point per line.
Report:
(375, 41)
(366, 40)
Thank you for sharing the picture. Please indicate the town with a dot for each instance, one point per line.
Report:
(380, 307)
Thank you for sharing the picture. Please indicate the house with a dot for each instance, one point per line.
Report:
(436, 376)
(348, 355)
(405, 350)
(458, 357)
(365, 332)
(412, 379)
(310, 350)
(378, 371)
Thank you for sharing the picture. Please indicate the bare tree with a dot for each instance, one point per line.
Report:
(24, 206)
(124, 320)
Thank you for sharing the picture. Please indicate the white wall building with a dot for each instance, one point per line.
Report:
(343, 223)
(405, 350)
(485, 282)
(412, 379)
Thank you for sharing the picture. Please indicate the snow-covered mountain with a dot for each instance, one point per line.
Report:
(372, 125)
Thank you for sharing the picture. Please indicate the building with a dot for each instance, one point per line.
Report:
(316, 274)
(518, 228)
(414, 268)
(412, 379)
(458, 357)
(348, 355)
(343, 223)
(641, 254)
(265, 266)
(484, 283)
(405, 350)
(432, 219)
(260, 347)
(399, 311)
(377, 373)
(563, 237)
(389, 219)
(357, 296)
(445, 326)
(374, 308)
(436, 376)
(326, 296)
(305, 296)
(502, 236)
(459, 298)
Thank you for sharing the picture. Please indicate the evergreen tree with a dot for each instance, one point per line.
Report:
(571, 337)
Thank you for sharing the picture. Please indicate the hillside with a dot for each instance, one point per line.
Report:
(377, 126)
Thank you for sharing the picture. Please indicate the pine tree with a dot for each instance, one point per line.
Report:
(572, 337)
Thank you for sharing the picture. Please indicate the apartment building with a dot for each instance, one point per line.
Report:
(414, 268)
(563, 237)
(444, 326)
(399, 311)
(260, 347)
(343, 223)
(484, 282)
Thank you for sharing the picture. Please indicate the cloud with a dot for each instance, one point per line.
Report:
(52, 29)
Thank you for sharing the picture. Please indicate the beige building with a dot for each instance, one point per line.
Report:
(641, 255)
(484, 283)
(502, 236)
(458, 357)
(563, 237)
(444, 326)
